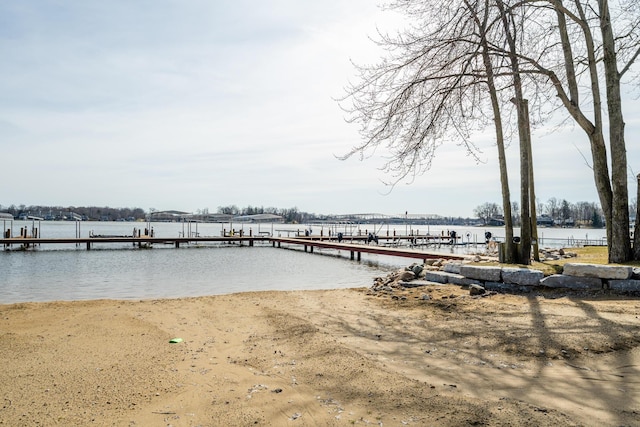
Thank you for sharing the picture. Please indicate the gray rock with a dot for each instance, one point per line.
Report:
(452, 267)
(522, 276)
(571, 282)
(436, 276)
(406, 276)
(476, 290)
(601, 271)
(489, 273)
(417, 269)
(629, 285)
(507, 287)
(418, 283)
(455, 279)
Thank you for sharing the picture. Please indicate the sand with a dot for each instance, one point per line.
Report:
(323, 358)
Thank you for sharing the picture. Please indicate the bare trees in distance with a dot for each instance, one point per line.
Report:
(562, 212)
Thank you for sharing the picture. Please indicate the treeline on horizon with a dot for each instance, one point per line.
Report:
(105, 213)
(562, 211)
(93, 213)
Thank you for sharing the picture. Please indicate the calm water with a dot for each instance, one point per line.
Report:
(119, 271)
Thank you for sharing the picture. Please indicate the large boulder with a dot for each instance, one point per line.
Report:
(454, 279)
(437, 276)
(522, 276)
(631, 285)
(571, 282)
(484, 273)
(507, 287)
(452, 267)
(417, 283)
(615, 272)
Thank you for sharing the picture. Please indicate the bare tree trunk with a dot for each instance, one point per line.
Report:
(509, 249)
(636, 228)
(620, 249)
(509, 253)
(525, 185)
(603, 184)
(593, 130)
(532, 191)
(525, 226)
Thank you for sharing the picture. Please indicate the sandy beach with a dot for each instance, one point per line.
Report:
(425, 356)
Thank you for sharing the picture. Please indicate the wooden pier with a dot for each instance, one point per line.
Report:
(308, 243)
(356, 250)
(136, 241)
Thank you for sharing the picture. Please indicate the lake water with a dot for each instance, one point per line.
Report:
(119, 271)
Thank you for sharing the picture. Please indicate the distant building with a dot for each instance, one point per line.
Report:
(169, 216)
(569, 222)
(259, 218)
(495, 222)
(72, 216)
(212, 217)
(545, 220)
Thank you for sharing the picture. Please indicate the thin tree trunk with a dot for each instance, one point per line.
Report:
(525, 185)
(636, 228)
(509, 249)
(525, 226)
(532, 191)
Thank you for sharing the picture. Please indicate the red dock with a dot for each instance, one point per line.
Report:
(357, 249)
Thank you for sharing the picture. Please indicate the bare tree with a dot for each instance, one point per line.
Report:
(481, 14)
(427, 91)
(511, 30)
(487, 211)
(431, 88)
(552, 207)
(573, 57)
(582, 52)
(418, 96)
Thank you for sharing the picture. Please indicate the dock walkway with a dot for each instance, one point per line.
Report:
(357, 249)
(308, 243)
(91, 241)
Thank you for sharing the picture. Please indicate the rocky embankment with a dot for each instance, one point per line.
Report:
(483, 279)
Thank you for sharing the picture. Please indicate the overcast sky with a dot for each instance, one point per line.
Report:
(189, 105)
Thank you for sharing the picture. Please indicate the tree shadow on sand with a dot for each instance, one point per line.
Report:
(567, 354)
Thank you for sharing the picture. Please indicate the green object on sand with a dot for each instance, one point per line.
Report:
(175, 340)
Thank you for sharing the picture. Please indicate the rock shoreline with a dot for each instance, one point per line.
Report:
(485, 279)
